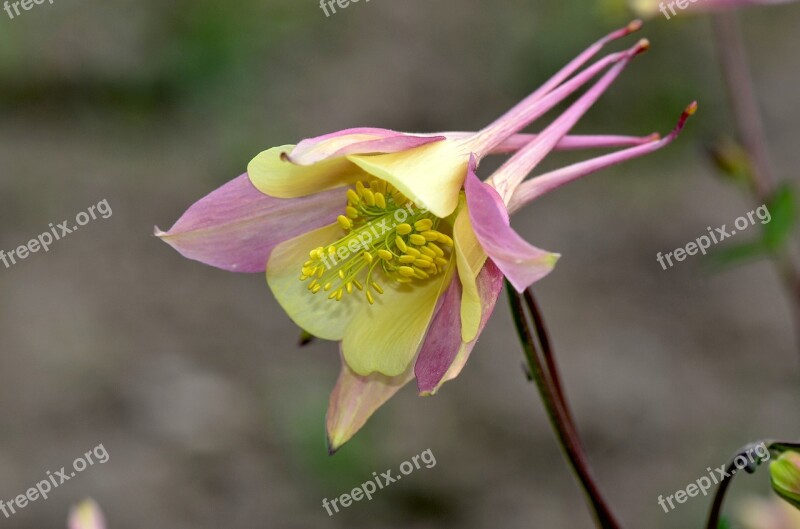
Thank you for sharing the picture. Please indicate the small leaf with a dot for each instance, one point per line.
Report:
(732, 161)
(739, 253)
(305, 338)
(782, 214)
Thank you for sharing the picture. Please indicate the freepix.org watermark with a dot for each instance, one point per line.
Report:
(716, 236)
(681, 4)
(365, 238)
(56, 233)
(368, 488)
(53, 480)
(329, 6)
(744, 460)
(26, 5)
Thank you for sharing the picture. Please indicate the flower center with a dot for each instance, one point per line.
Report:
(385, 231)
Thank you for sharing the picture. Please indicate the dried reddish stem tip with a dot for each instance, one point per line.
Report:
(632, 27)
(687, 113)
(642, 46)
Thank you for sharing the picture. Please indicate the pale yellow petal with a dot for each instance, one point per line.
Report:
(270, 173)
(315, 313)
(316, 149)
(431, 175)
(386, 337)
(470, 259)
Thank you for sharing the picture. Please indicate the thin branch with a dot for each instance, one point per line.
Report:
(719, 496)
(744, 105)
(547, 352)
(716, 507)
(545, 375)
(750, 129)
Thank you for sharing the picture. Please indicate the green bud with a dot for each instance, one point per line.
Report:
(785, 474)
(732, 161)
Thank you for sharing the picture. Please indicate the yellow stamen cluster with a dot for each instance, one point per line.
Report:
(385, 231)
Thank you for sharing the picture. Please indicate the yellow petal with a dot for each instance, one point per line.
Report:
(470, 258)
(314, 313)
(385, 337)
(273, 175)
(431, 175)
(355, 399)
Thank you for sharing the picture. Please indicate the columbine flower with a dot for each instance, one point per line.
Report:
(650, 8)
(390, 244)
(86, 515)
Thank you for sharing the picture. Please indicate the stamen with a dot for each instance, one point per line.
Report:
(380, 226)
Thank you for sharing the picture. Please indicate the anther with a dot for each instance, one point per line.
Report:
(406, 271)
(417, 239)
(423, 225)
(344, 222)
(369, 197)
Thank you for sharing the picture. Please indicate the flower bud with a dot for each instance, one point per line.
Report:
(785, 474)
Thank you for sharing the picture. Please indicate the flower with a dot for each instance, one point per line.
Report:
(785, 474)
(390, 244)
(427, 168)
(86, 515)
(650, 8)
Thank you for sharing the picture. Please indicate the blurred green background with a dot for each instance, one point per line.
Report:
(191, 377)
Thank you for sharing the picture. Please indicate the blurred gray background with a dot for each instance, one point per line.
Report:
(191, 377)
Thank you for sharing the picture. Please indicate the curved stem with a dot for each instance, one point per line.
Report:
(744, 105)
(544, 372)
(547, 352)
(719, 497)
(750, 129)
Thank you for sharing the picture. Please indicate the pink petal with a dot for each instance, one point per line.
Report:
(356, 141)
(443, 354)
(549, 94)
(510, 174)
(442, 340)
(567, 143)
(580, 60)
(353, 401)
(236, 226)
(521, 263)
(490, 284)
(547, 182)
(577, 142)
